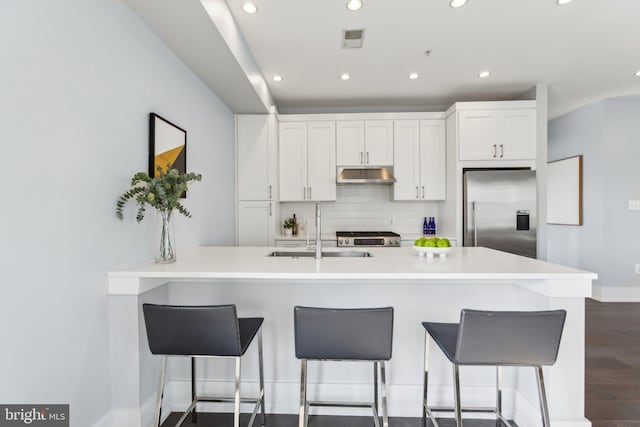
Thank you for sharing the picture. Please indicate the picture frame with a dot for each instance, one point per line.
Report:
(564, 191)
(167, 145)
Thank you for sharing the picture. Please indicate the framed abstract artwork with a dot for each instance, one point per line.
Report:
(564, 191)
(167, 145)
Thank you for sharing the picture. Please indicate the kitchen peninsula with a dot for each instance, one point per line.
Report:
(420, 289)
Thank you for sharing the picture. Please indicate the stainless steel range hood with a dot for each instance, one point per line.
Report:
(365, 175)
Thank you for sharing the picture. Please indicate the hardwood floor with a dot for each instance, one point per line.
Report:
(218, 420)
(613, 364)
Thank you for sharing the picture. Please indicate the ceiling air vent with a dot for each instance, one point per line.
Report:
(352, 39)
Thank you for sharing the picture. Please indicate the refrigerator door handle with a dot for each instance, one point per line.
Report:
(495, 151)
(501, 150)
(473, 222)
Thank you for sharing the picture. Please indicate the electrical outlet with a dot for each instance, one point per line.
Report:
(634, 205)
(637, 268)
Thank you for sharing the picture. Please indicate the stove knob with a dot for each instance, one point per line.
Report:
(340, 241)
(347, 241)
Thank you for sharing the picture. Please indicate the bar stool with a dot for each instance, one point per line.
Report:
(495, 338)
(203, 331)
(344, 334)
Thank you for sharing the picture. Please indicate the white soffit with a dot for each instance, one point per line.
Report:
(204, 35)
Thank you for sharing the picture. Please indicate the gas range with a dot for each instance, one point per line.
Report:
(368, 238)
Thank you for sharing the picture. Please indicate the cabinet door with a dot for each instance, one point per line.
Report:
(406, 148)
(350, 143)
(378, 143)
(253, 157)
(321, 161)
(255, 223)
(433, 174)
(517, 137)
(478, 135)
(293, 161)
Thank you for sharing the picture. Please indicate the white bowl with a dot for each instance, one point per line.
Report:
(431, 252)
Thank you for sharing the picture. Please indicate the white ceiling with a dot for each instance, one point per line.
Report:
(584, 51)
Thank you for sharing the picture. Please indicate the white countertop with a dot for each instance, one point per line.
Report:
(303, 236)
(386, 263)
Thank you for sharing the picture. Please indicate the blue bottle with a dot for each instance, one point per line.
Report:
(425, 226)
(432, 226)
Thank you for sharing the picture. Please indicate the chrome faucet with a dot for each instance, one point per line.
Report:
(318, 233)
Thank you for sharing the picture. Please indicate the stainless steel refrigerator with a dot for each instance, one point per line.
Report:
(500, 210)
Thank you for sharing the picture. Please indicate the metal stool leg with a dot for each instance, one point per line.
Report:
(302, 420)
(163, 368)
(375, 387)
(456, 395)
(426, 379)
(542, 394)
(260, 361)
(236, 406)
(498, 395)
(194, 414)
(383, 380)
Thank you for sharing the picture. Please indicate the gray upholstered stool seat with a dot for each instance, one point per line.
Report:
(364, 334)
(496, 338)
(203, 331)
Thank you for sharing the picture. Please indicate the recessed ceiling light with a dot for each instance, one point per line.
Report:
(345, 76)
(354, 5)
(637, 74)
(457, 3)
(563, 2)
(484, 74)
(249, 8)
(277, 78)
(413, 76)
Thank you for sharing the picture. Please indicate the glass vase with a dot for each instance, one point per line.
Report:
(164, 238)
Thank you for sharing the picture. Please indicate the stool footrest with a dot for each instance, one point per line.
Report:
(221, 399)
(468, 409)
(341, 404)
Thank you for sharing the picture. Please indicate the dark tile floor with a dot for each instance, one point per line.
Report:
(613, 364)
(612, 378)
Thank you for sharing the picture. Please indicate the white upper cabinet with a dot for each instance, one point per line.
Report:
(497, 134)
(406, 148)
(362, 143)
(321, 161)
(433, 174)
(517, 140)
(478, 133)
(307, 161)
(419, 147)
(378, 142)
(257, 157)
(350, 143)
(293, 161)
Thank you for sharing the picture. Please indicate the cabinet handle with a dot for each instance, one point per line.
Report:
(270, 211)
(423, 191)
(310, 193)
(361, 157)
(367, 157)
(495, 151)
(501, 150)
(304, 193)
(270, 197)
(417, 192)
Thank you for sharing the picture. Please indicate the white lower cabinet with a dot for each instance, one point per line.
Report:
(256, 223)
(419, 160)
(291, 243)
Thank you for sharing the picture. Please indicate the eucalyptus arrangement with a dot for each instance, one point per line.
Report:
(288, 225)
(162, 193)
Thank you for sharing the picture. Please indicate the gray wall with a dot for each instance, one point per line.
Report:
(607, 134)
(77, 82)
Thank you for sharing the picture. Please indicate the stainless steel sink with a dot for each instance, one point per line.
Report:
(309, 254)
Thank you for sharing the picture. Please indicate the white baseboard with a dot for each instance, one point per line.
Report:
(616, 293)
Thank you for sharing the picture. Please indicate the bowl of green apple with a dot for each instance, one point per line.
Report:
(432, 246)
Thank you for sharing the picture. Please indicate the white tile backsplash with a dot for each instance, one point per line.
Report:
(368, 207)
